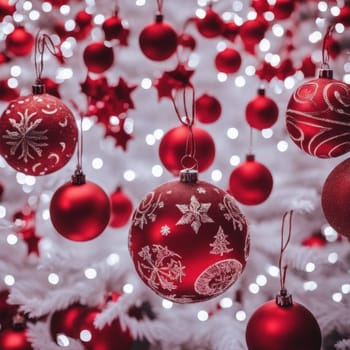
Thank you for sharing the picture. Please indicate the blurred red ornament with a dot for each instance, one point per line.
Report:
(261, 112)
(38, 133)
(283, 9)
(7, 93)
(80, 210)
(208, 109)
(228, 61)
(344, 15)
(335, 198)
(260, 6)
(252, 32)
(58, 3)
(251, 182)
(14, 340)
(114, 28)
(98, 57)
(266, 71)
(83, 25)
(173, 153)
(315, 240)
(188, 240)
(316, 116)
(308, 67)
(2, 188)
(285, 69)
(187, 41)
(121, 208)
(230, 31)
(211, 25)
(6, 9)
(19, 42)
(7, 311)
(158, 40)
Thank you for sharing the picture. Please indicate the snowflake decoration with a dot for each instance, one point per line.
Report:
(194, 214)
(165, 230)
(232, 212)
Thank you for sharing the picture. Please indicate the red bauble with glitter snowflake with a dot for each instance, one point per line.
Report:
(121, 208)
(228, 61)
(158, 40)
(38, 133)
(80, 210)
(251, 182)
(14, 340)
(261, 112)
(98, 57)
(188, 240)
(208, 109)
(210, 25)
(317, 116)
(172, 148)
(20, 42)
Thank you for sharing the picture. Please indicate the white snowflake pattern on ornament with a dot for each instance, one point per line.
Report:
(195, 214)
(165, 230)
(161, 267)
(220, 244)
(145, 212)
(26, 137)
(232, 212)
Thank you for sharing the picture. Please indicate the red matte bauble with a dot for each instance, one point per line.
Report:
(261, 112)
(98, 57)
(187, 41)
(317, 117)
(228, 61)
(80, 212)
(7, 311)
(230, 31)
(308, 67)
(188, 240)
(274, 327)
(158, 40)
(14, 340)
(19, 42)
(282, 9)
(6, 9)
(335, 198)
(172, 148)
(211, 25)
(83, 25)
(260, 6)
(252, 32)
(251, 182)
(38, 134)
(208, 109)
(112, 27)
(121, 208)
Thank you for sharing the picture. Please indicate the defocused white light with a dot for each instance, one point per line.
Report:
(226, 303)
(90, 273)
(69, 25)
(97, 163)
(310, 286)
(337, 297)
(240, 81)
(129, 175)
(53, 278)
(310, 267)
(267, 133)
(46, 7)
(2, 211)
(45, 214)
(335, 11)
(222, 77)
(16, 71)
(346, 78)
(330, 233)
(140, 2)
(289, 83)
(235, 160)
(193, 60)
(150, 139)
(216, 175)
(254, 288)
(65, 10)
(85, 335)
(11, 239)
(339, 28)
(333, 258)
(167, 304)
(275, 60)
(282, 146)
(250, 71)
(202, 315)
(12, 83)
(273, 271)
(277, 30)
(200, 13)
(112, 259)
(129, 125)
(64, 73)
(240, 315)
(264, 45)
(18, 17)
(237, 6)
(87, 124)
(128, 288)
(9, 280)
(158, 134)
(99, 19)
(34, 15)
(315, 36)
(261, 280)
(269, 16)
(251, 14)
(157, 170)
(232, 133)
(221, 45)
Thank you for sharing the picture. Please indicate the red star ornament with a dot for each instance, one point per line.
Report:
(118, 132)
(266, 71)
(120, 96)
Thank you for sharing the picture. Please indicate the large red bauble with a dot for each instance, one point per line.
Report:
(14, 340)
(251, 182)
(274, 327)
(121, 208)
(208, 108)
(211, 25)
(261, 112)
(19, 42)
(344, 15)
(188, 240)
(38, 134)
(228, 61)
(7, 93)
(317, 117)
(335, 198)
(158, 40)
(80, 212)
(98, 57)
(172, 148)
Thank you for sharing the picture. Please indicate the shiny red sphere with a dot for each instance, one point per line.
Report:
(172, 149)
(6, 9)
(252, 32)
(189, 241)
(38, 134)
(273, 327)
(112, 27)
(14, 340)
(19, 42)
(283, 9)
(158, 41)
(211, 25)
(228, 61)
(251, 182)
(316, 118)
(80, 212)
(208, 109)
(98, 57)
(121, 208)
(336, 196)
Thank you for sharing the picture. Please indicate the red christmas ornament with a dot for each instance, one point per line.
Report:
(283, 324)
(7, 311)
(14, 340)
(266, 71)
(230, 31)
(188, 240)
(211, 25)
(187, 41)
(285, 69)
(38, 133)
(344, 15)
(113, 28)
(121, 208)
(98, 57)
(6, 9)
(83, 25)
(252, 32)
(6, 93)
(208, 109)
(261, 112)
(172, 148)
(308, 67)
(317, 239)
(80, 210)
(19, 42)
(260, 6)
(283, 9)
(228, 61)
(316, 116)
(158, 41)
(335, 198)
(251, 182)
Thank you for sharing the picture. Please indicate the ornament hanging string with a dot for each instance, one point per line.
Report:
(159, 6)
(250, 149)
(325, 55)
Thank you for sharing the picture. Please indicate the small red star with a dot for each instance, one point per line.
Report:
(32, 240)
(95, 88)
(120, 96)
(119, 133)
(266, 72)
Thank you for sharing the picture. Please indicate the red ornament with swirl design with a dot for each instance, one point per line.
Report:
(318, 117)
(188, 240)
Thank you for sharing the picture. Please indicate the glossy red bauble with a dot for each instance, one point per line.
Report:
(112, 27)
(38, 134)
(228, 61)
(187, 41)
(6, 9)
(7, 93)
(188, 240)
(316, 117)
(98, 57)
(335, 198)
(172, 149)
(274, 327)
(252, 32)
(158, 41)
(121, 208)
(211, 25)
(14, 340)
(80, 212)
(283, 9)
(344, 15)
(261, 112)
(208, 109)
(251, 182)
(19, 42)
